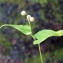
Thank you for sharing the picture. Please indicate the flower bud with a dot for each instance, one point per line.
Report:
(31, 19)
(28, 17)
(23, 13)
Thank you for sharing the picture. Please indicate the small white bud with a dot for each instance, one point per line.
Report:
(23, 13)
(31, 19)
(28, 17)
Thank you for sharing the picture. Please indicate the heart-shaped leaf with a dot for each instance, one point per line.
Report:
(22, 28)
(44, 34)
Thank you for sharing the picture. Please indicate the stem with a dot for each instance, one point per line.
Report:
(31, 30)
(40, 53)
(38, 44)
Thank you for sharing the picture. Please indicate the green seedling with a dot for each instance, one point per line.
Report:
(39, 37)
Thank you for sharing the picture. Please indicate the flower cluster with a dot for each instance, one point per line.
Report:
(29, 17)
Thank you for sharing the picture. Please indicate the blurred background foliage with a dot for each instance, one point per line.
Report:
(48, 15)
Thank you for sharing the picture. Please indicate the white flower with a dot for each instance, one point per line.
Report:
(23, 13)
(31, 19)
(28, 17)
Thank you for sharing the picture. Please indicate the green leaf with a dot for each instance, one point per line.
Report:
(59, 33)
(22, 28)
(44, 34)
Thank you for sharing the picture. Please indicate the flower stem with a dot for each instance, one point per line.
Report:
(40, 53)
(31, 30)
(38, 44)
